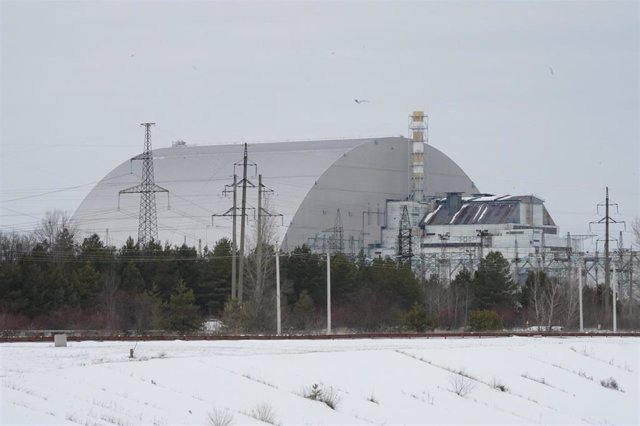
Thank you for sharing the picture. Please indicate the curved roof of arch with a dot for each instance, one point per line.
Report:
(351, 174)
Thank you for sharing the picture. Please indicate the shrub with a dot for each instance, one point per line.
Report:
(484, 320)
(610, 383)
(327, 395)
(461, 385)
(264, 413)
(220, 417)
(498, 385)
(233, 316)
(416, 319)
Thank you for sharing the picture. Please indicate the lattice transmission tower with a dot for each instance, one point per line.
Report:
(405, 250)
(147, 220)
(336, 240)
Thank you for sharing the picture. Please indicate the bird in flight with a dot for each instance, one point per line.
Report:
(551, 71)
(361, 101)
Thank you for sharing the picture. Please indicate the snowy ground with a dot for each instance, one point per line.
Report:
(382, 381)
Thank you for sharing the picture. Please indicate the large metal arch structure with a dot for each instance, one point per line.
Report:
(310, 181)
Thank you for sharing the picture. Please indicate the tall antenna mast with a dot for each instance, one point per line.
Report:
(147, 219)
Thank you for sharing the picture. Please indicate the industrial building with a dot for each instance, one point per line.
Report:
(314, 184)
(389, 196)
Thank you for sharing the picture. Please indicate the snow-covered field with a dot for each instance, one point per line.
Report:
(410, 381)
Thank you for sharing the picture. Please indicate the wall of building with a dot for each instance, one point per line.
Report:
(360, 184)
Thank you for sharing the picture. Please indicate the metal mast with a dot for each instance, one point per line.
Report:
(405, 252)
(148, 220)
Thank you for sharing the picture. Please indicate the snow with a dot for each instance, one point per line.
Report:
(484, 210)
(378, 381)
(453, 219)
(433, 213)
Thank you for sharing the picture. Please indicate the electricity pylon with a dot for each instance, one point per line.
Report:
(147, 220)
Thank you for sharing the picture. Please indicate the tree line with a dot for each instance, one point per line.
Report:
(50, 281)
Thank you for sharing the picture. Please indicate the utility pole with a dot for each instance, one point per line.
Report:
(607, 258)
(147, 219)
(569, 269)
(615, 317)
(243, 209)
(234, 243)
(259, 235)
(580, 294)
(328, 293)
(278, 314)
(516, 260)
(233, 212)
(631, 256)
(607, 272)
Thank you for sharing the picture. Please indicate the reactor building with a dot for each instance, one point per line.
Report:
(388, 196)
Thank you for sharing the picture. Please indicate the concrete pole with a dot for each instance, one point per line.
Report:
(607, 264)
(614, 285)
(234, 243)
(278, 317)
(580, 295)
(630, 283)
(259, 236)
(242, 225)
(328, 293)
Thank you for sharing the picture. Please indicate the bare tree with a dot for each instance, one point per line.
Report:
(570, 299)
(545, 295)
(260, 272)
(57, 233)
(52, 226)
(13, 246)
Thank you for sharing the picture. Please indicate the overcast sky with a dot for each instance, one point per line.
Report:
(527, 97)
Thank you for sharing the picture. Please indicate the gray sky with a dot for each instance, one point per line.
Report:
(527, 97)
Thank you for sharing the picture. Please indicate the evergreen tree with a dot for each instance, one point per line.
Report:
(344, 277)
(181, 312)
(492, 285)
(305, 271)
(86, 287)
(303, 315)
(132, 280)
(213, 287)
(416, 319)
(460, 296)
